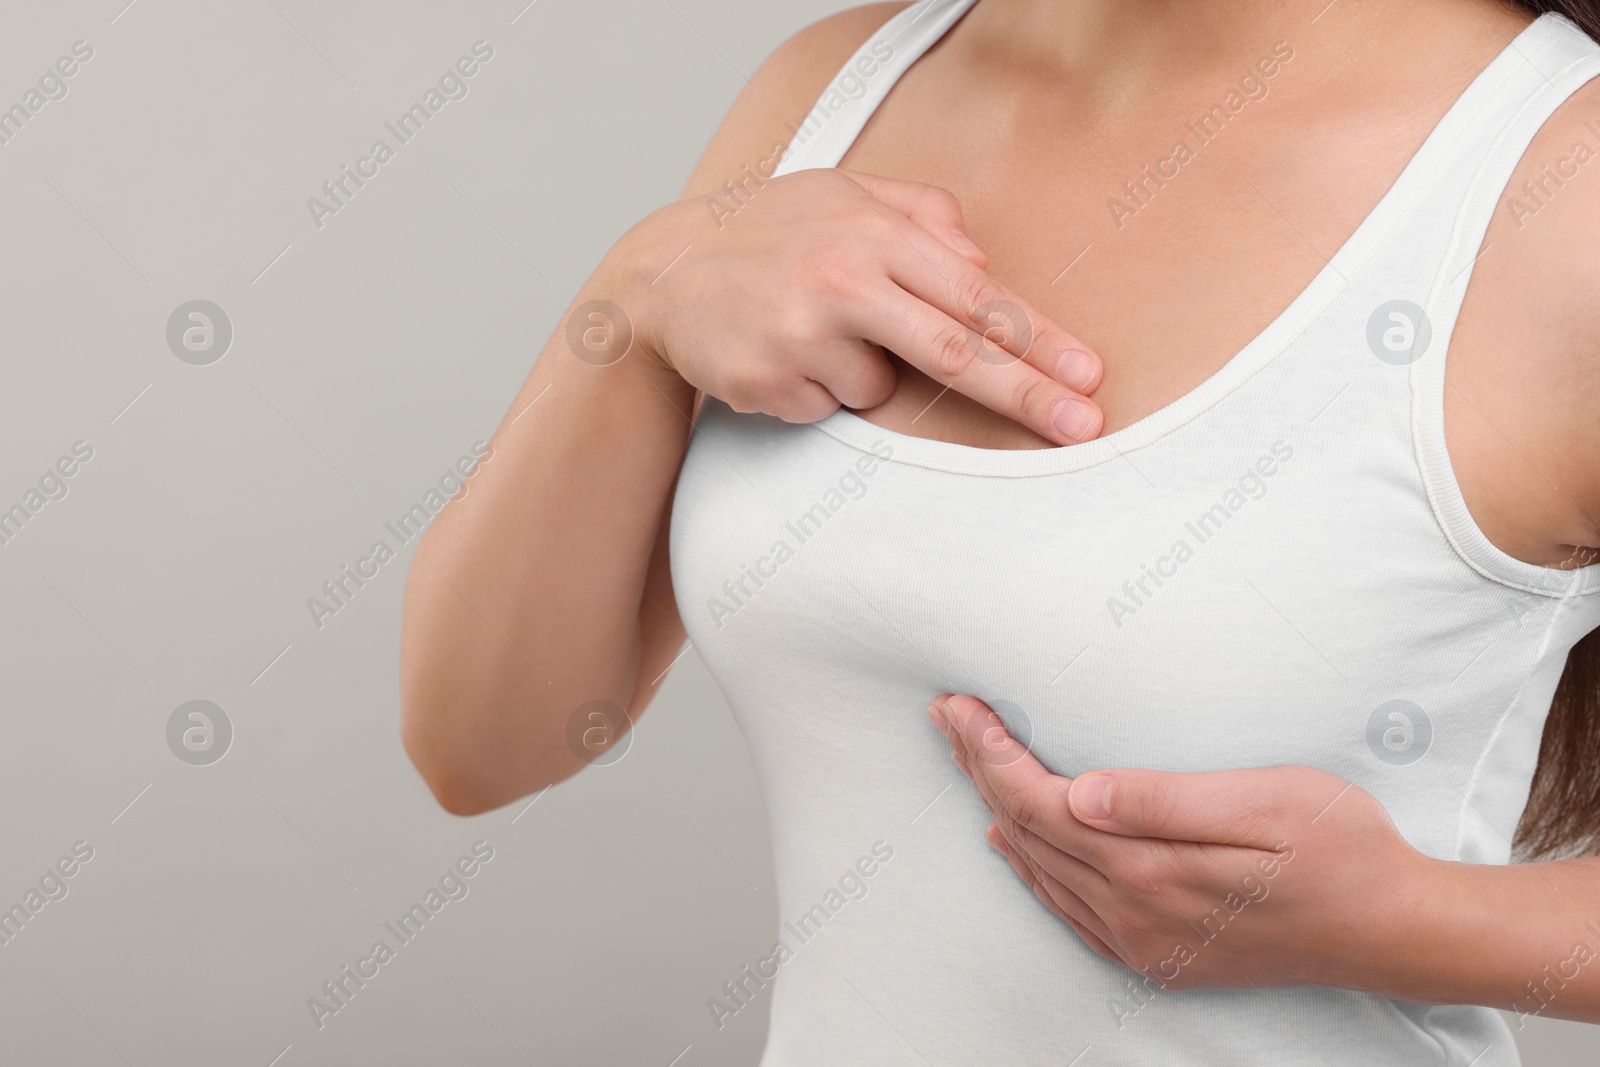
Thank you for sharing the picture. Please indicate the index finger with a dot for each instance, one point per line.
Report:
(1016, 786)
(985, 341)
(1003, 769)
(970, 333)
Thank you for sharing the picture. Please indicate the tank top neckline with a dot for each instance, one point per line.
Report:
(1408, 190)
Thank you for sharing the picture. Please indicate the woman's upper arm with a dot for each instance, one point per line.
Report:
(753, 134)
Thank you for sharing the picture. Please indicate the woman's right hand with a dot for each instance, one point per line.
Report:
(548, 588)
(786, 305)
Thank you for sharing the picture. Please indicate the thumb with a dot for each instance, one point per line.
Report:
(1238, 807)
(930, 207)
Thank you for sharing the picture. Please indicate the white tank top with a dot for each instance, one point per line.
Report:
(1276, 568)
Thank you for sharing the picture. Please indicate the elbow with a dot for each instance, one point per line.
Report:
(465, 779)
(456, 789)
(457, 795)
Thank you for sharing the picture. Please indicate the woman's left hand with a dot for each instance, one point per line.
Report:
(1269, 876)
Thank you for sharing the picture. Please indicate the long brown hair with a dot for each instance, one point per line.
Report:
(1563, 813)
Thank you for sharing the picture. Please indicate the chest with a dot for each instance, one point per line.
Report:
(1169, 239)
(832, 605)
(1166, 236)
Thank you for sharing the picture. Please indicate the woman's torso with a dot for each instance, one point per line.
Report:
(1167, 277)
(1273, 564)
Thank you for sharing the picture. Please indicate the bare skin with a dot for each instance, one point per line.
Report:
(547, 586)
(1521, 391)
(1169, 295)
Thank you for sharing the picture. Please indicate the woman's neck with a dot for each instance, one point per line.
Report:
(1126, 51)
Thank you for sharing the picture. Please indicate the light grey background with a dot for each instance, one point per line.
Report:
(367, 356)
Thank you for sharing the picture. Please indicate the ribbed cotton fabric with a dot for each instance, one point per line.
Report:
(1277, 568)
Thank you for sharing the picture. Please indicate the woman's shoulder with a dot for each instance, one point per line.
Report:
(1524, 364)
(824, 46)
(782, 90)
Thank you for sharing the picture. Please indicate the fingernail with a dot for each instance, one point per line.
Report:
(1090, 795)
(1077, 369)
(1072, 417)
(936, 717)
(963, 243)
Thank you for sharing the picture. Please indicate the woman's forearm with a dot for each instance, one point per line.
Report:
(1523, 937)
(523, 600)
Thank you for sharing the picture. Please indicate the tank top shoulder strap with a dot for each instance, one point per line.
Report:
(1538, 72)
(834, 122)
